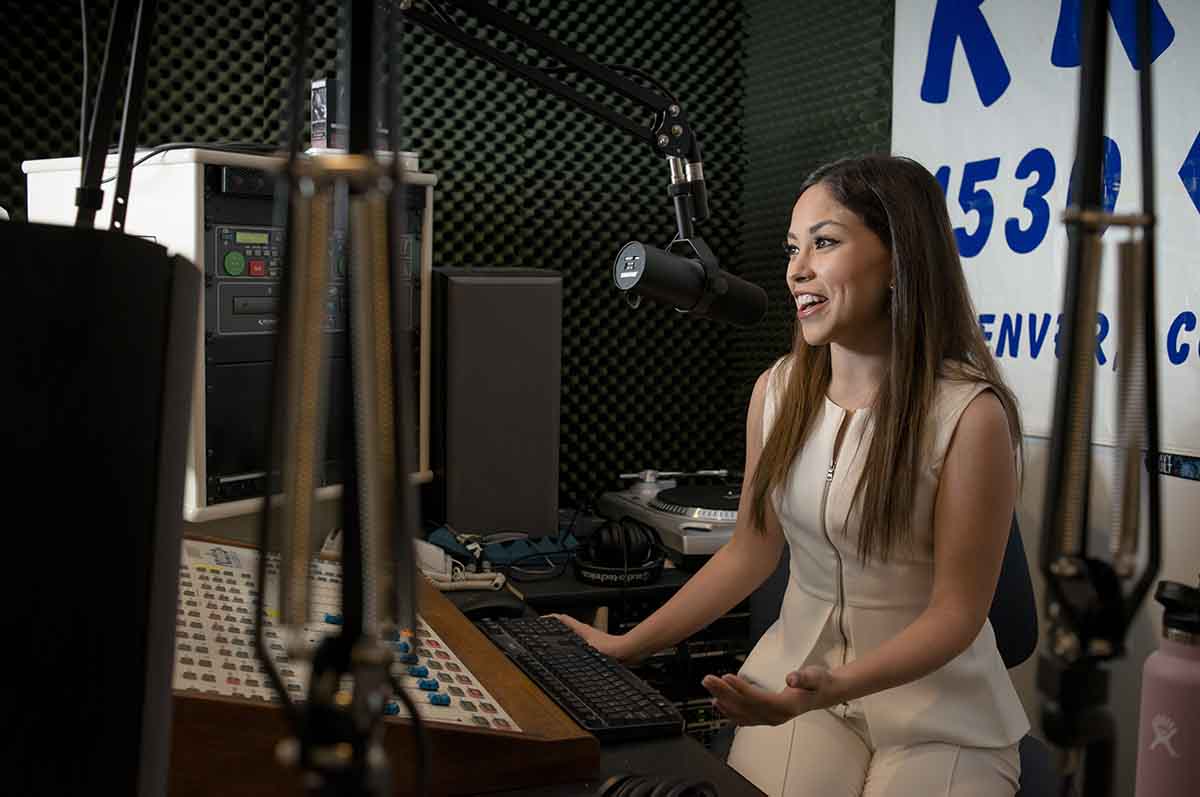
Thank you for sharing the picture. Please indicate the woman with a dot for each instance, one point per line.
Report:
(882, 451)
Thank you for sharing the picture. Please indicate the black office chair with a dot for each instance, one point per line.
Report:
(1014, 619)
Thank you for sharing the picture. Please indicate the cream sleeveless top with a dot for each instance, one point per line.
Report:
(832, 597)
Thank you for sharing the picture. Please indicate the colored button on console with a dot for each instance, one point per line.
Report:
(235, 264)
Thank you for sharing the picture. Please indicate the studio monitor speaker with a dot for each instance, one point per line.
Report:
(496, 384)
(100, 328)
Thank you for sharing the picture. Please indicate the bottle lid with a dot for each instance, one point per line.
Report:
(1181, 605)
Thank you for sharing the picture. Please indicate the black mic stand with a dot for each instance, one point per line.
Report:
(1089, 611)
(127, 21)
(337, 732)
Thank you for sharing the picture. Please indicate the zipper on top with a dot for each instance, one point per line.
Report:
(840, 601)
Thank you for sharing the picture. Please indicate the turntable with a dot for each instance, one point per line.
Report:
(693, 520)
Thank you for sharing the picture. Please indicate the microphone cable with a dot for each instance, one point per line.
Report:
(236, 147)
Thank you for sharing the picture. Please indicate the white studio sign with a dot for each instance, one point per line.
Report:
(985, 95)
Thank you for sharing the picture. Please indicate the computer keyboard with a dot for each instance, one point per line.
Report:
(599, 693)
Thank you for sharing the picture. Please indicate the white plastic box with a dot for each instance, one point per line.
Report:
(166, 205)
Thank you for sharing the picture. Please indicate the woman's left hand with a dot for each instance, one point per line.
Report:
(747, 704)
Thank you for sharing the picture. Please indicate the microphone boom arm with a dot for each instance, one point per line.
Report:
(670, 136)
(707, 290)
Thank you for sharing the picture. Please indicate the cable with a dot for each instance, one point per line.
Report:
(646, 76)
(497, 537)
(555, 566)
(589, 504)
(241, 147)
(629, 70)
(83, 89)
(442, 15)
(527, 575)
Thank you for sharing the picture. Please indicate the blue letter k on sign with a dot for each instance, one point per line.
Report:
(961, 19)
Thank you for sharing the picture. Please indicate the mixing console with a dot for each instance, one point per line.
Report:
(215, 651)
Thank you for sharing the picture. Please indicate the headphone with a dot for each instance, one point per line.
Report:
(647, 786)
(620, 553)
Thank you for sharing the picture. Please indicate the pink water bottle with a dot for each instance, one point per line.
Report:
(1168, 761)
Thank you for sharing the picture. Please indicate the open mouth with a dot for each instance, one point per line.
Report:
(809, 303)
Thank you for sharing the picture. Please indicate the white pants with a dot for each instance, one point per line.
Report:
(819, 754)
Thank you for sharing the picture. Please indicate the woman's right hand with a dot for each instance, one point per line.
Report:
(609, 644)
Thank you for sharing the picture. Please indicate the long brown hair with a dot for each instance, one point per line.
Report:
(935, 335)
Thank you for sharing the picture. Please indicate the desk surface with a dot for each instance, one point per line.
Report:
(681, 756)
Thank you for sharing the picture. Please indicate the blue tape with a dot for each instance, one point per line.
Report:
(503, 553)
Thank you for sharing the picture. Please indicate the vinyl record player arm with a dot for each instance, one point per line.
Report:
(732, 573)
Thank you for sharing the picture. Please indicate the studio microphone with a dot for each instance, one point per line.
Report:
(688, 284)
